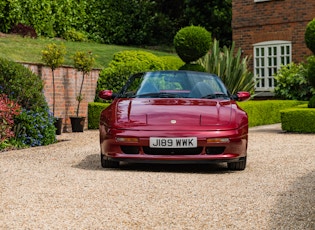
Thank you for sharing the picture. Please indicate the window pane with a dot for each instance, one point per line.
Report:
(275, 61)
(262, 72)
(269, 51)
(257, 51)
(257, 62)
(274, 50)
(262, 61)
(282, 50)
(262, 51)
(288, 50)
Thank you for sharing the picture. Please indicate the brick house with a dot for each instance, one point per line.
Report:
(271, 32)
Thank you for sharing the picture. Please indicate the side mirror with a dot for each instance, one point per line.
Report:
(106, 94)
(243, 96)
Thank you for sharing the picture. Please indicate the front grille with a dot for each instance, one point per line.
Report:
(172, 151)
(130, 149)
(215, 150)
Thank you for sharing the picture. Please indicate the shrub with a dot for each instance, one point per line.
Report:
(124, 64)
(75, 36)
(33, 126)
(298, 120)
(36, 127)
(310, 35)
(171, 62)
(94, 111)
(266, 112)
(291, 83)
(193, 67)
(24, 30)
(192, 43)
(21, 85)
(230, 67)
(8, 110)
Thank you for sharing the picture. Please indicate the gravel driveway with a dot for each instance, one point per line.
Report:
(63, 186)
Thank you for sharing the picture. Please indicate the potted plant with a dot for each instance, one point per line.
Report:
(53, 56)
(83, 61)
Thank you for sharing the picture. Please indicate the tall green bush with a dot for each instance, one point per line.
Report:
(291, 83)
(309, 35)
(21, 85)
(230, 67)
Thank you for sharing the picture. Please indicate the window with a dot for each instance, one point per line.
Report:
(268, 58)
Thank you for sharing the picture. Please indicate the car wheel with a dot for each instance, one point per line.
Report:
(106, 163)
(240, 165)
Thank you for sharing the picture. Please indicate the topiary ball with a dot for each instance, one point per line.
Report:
(192, 43)
(310, 35)
(311, 103)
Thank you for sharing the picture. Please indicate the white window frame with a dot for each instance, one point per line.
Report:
(268, 59)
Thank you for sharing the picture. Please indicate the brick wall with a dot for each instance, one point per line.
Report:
(67, 87)
(272, 20)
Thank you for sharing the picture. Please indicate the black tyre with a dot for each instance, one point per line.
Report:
(106, 163)
(240, 165)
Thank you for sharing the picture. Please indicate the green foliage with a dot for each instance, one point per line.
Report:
(214, 15)
(53, 55)
(311, 103)
(193, 67)
(124, 22)
(299, 120)
(230, 66)
(36, 127)
(192, 43)
(266, 112)
(75, 36)
(124, 64)
(94, 111)
(291, 83)
(310, 35)
(172, 62)
(310, 68)
(21, 85)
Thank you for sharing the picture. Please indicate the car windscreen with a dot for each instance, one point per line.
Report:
(174, 84)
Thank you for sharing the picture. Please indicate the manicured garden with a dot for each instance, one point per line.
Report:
(26, 120)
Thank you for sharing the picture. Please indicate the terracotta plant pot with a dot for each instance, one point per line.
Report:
(77, 124)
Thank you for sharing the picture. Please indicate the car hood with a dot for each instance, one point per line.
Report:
(180, 114)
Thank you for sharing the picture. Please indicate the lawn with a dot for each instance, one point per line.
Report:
(19, 49)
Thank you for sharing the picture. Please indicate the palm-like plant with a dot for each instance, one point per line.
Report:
(230, 67)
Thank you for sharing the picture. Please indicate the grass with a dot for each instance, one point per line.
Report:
(19, 49)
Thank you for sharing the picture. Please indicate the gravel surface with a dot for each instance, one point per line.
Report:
(63, 186)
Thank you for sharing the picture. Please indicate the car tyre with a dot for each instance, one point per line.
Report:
(239, 165)
(107, 163)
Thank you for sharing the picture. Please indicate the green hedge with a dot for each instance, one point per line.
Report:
(94, 112)
(266, 112)
(299, 119)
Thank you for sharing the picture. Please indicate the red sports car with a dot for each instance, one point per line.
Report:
(174, 117)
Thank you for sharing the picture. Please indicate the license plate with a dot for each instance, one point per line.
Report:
(173, 142)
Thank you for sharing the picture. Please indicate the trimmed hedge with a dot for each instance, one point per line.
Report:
(266, 112)
(298, 119)
(94, 112)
